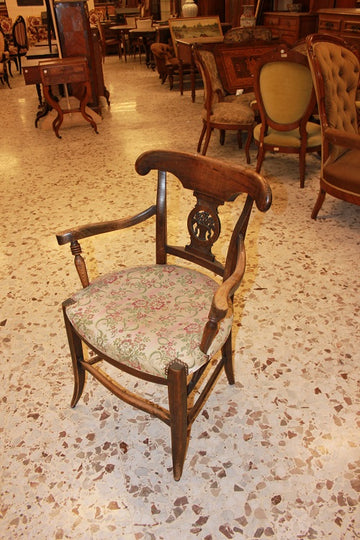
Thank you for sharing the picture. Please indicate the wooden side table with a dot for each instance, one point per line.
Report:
(73, 71)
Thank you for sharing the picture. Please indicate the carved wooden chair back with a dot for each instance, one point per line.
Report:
(20, 38)
(166, 322)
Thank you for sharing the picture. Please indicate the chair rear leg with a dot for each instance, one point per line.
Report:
(248, 143)
(260, 158)
(207, 140)
(177, 390)
(222, 137)
(318, 204)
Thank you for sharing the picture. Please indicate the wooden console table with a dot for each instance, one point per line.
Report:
(66, 71)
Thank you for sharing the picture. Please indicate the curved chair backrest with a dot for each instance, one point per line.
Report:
(284, 89)
(143, 23)
(206, 64)
(20, 34)
(335, 88)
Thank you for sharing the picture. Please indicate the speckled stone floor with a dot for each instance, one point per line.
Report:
(274, 457)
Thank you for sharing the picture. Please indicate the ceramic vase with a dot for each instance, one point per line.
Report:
(189, 9)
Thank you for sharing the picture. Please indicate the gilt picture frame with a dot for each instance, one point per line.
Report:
(196, 29)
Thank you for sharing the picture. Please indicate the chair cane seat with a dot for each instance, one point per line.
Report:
(166, 308)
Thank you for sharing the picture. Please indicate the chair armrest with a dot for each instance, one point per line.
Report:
(93, 229)
(222, 299)
(342, 138)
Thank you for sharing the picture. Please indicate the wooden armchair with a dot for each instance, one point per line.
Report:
(168, 65)
(225, 113)
(335, 71)
(166, 323)
(285, 100)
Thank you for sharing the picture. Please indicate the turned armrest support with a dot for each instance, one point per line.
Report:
(342, 138)
(221, 301)
(93, 229)
(73, 236)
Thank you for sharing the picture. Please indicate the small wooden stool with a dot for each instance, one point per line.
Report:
(66, 71)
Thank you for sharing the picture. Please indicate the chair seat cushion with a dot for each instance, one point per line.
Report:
(146, 317)
(344, 172)
(231, 113)
(290, 138)
(245, 99)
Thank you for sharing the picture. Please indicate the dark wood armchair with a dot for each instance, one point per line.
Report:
(335, 70)
(167, 323)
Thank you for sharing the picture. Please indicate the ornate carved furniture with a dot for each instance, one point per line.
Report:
(220, 112)
(335, 70)
(64, 72)
(286, 100)
(165, 323)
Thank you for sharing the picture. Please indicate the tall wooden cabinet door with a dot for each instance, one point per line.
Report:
(212, 7)
(75, 37)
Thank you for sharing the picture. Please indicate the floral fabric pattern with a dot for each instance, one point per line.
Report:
(146, 317)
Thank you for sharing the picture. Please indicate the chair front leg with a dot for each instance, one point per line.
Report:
(77, 355)
(228, 360)
(177, 391)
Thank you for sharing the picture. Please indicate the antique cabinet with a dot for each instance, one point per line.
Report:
(78, 39)
(344, 23)
(290, 27)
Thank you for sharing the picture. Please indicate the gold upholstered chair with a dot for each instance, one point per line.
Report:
(285, 100)
(222, 112)
(335, 70)
(167, 323)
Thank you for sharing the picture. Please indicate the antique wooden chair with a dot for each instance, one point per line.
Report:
(20, 39)
(335, 70)
(165, 323)
(168, 65)
(4, 61)
(286, 100)
(108, 43)
(225, 113)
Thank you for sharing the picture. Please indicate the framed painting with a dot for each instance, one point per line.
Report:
(196, 29)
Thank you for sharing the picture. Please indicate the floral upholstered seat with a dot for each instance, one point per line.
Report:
(160, 303)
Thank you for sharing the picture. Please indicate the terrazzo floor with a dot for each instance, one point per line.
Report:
(274, 457)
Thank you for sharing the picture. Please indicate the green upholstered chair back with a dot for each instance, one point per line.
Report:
(286, 89)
